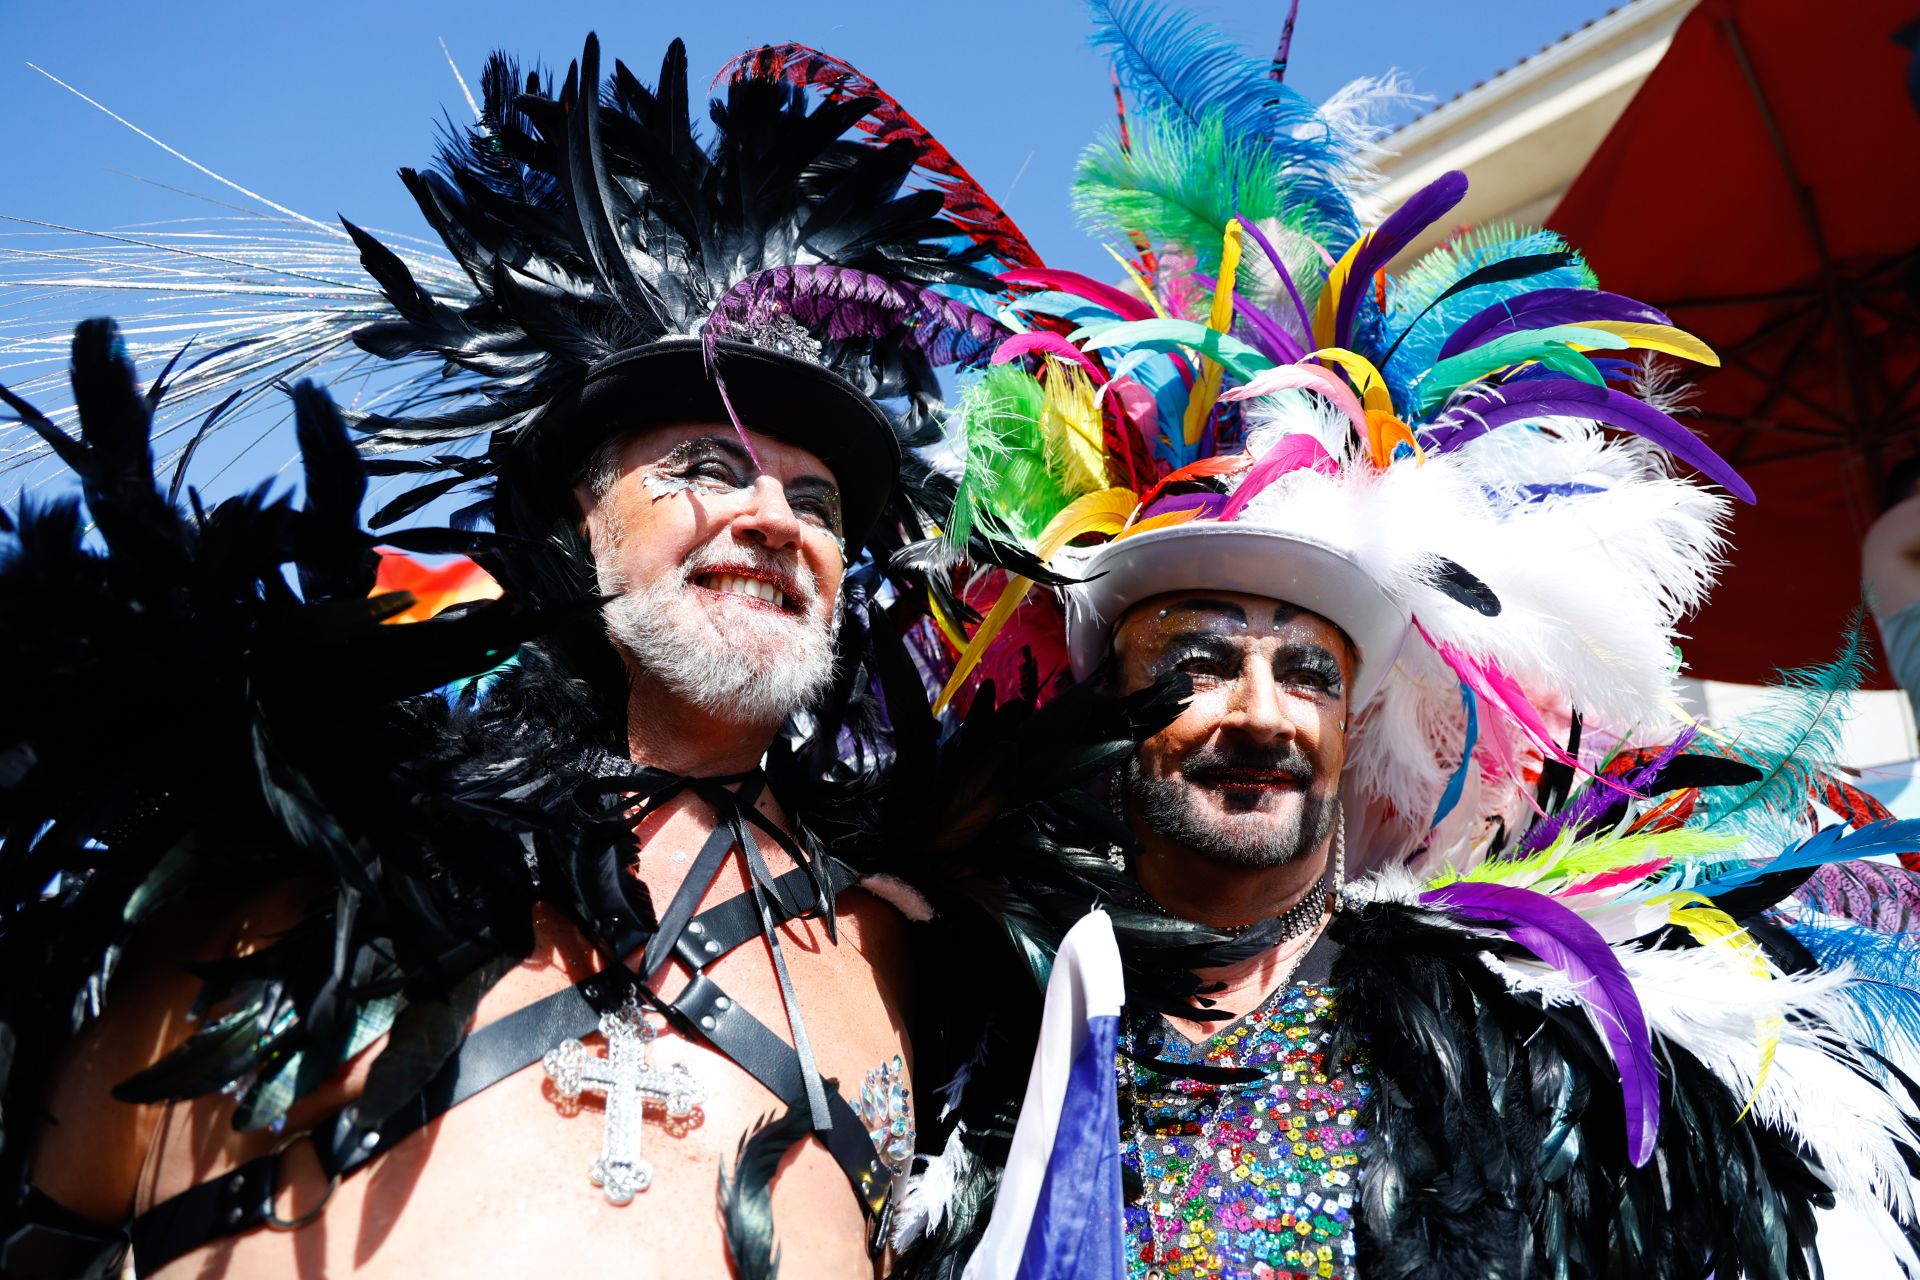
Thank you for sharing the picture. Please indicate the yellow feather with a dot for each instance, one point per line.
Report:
(1070, 424)
(1373, 388)
(955, 637)
(1139, 282)
(1206, 388)
(1656, 337)
(1329, 304)
(1102, 512)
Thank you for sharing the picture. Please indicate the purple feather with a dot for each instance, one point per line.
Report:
(838, 303)
(1268, 337)
(1208, 504)
(1279, 266)
(1543, 308)
(1424, 208)
(1882, 896)
(1563, 940)
(1596, 799)
(1567, 398)
(1281, 346)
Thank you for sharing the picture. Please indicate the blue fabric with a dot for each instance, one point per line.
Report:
(1078, 1229)
(1900, 638)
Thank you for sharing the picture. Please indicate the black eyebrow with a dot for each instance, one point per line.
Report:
(1201, 604)
(1201, 639)
(818, 484)
(738, 456)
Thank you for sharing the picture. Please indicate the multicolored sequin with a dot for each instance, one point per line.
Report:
(1252, 1181)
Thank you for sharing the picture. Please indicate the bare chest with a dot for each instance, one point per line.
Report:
(500, 1185)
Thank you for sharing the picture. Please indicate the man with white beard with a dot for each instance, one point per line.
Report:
(568, 947)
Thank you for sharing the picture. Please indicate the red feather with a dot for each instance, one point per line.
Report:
(1225, 464)
(967, 203)
(1858, 808)
(1849, 801)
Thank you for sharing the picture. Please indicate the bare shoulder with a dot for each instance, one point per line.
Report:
(90, 1146)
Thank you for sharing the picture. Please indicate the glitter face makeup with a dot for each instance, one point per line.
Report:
(718, 467)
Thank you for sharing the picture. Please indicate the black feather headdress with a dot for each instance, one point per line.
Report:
(781, 273)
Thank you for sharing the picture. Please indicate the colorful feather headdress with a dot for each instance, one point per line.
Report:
(1449, 462)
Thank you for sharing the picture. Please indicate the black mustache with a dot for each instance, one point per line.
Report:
(1288, 764)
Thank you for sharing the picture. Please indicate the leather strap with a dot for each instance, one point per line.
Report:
(755, 1049)
(243, 1198)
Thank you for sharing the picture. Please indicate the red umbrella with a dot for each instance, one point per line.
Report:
(1763, 188)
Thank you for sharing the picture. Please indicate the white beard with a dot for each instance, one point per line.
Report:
(759, 670)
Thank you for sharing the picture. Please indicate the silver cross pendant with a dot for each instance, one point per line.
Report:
(629, 1082)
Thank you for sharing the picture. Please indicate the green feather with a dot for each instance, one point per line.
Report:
(1179, 182)
(1548, 346)
(1009, 478)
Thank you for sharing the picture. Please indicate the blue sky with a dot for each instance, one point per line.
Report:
(316, 106)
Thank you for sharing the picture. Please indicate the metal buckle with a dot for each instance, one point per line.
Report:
(273, 1218)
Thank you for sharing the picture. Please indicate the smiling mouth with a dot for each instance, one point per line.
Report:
(1249, 780)
(763, 592)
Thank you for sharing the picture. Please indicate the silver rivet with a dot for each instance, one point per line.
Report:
(721, 1002)
(695, 928)
(237, 1183)
(707, 1022)
(235, 1214)
(370, 1141)
(711, 947)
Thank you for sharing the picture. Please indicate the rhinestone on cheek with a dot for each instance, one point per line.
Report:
(1245, 1182)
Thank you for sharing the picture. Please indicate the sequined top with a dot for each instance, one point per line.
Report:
(1244, 1180)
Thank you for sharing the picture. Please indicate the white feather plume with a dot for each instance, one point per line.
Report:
(929, 1195)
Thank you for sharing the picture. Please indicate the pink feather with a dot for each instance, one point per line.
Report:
(1500, 691)
(1118, 301)
(1051, 344)
(1614, 878)
(1303, 377)
(1291, 453)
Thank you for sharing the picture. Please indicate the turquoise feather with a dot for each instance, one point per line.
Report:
(1176, 67)
(1791, 736)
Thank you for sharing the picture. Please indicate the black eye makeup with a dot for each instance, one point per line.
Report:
(1202, 655)
(711, 465)
(1308, 665)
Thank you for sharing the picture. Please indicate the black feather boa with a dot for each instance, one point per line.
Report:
(1496, 1136)
(1495, 1131)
